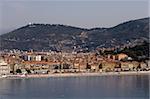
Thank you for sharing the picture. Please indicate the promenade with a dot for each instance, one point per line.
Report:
(76, 74)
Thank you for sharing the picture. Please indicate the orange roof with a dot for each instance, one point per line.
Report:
(122, 54)
(40, 62)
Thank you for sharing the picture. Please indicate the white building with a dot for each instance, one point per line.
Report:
(38, 58)
(29, 58)
(4, 68)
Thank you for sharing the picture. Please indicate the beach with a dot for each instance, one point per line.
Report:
(77, 74)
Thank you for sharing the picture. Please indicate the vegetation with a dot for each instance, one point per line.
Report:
(88, 66)
(18, 71)
(66, 66)
(28, 71)
(139, 52)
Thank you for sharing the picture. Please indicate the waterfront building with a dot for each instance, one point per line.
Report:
(4, 68)
(117, 57)
(41, 71)
(143, 65)
(148, 63)
(126, 66)
(108, 65)
(121, 56)
(23, 71)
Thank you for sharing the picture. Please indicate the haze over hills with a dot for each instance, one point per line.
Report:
(68, 38)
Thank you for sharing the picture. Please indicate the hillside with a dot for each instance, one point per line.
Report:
(68, 38)
(139, 52)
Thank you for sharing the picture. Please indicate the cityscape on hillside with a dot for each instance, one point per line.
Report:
(50, 49)
(74, 49)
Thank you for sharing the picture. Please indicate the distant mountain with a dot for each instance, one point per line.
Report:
(67, 38)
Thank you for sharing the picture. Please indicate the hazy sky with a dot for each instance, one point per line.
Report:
(79, 13)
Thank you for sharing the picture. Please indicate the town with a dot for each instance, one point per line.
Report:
(31, 62)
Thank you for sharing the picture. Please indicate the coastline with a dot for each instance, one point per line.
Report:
(76, 74)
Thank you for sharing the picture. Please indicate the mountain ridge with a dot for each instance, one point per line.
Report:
(68, 38)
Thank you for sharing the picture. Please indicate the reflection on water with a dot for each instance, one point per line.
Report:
(100, 87)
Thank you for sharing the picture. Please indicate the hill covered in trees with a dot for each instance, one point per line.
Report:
(139, 52)
(68, 38)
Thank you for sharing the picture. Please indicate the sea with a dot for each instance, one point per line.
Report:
(85, 87)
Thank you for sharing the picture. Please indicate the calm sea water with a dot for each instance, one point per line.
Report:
(100, 87)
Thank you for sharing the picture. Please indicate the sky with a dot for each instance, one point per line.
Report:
(79, 13)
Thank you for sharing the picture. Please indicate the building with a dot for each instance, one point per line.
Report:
(126, 66)
(143, 66)
(118, 56)
(38, 58)
(121, 56)
(108, 65)
(4, 68)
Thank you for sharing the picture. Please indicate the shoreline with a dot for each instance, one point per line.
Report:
(76, 74)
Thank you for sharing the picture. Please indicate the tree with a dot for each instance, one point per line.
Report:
(66, 66)
(56, 66)
(138, 67)
(29, 72)
(100, 66)
(118, 65)
(88, 66)
(18, 71)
